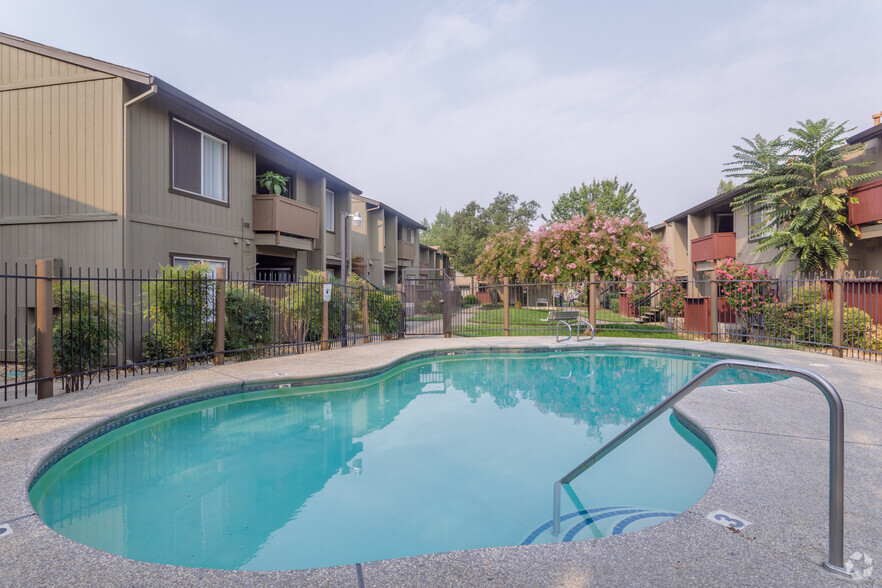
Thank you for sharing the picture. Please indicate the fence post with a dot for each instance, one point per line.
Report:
(365, 320)
(446, 306)
(401, 297)
(220, 315)
(592, 300)
(43, 311)
(325, 305)
(714, 312)
(837, 311)
(505, 312)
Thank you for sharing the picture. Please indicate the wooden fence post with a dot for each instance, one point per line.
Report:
(45, 361)
(365, 320)
(714, 312)
(325, 308)
(505, 311)
(837, 311)
(592, 300)
(220, 315)
(400, 289)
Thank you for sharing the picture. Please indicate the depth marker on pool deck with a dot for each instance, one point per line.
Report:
(726, 519)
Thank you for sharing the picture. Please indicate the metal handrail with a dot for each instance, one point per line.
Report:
(557, 331)
(835, 560)
(582, 320)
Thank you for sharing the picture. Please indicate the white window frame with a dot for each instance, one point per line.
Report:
(330, 211)
(224, 171)
(763, 214)
(212, 264)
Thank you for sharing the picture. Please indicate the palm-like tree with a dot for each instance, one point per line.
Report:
(801, 185)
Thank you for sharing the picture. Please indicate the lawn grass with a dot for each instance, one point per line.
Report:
(425, 317)
(619, 330)
(533, 316)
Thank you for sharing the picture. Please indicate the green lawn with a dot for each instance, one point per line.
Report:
(535, 317)
(425, 317)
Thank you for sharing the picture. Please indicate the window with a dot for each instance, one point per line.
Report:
(756, 220)
(199, 162)
(330, 214)
(213, 264)
(723, 222)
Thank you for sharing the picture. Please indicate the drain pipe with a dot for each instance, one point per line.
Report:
(125, 164)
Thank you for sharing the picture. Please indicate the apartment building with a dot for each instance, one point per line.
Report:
(106, 166)
(711, 230)
(388, 242)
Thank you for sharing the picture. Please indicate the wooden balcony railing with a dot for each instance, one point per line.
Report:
(406, 250)
(713, 246)
(280, 215)
(868, 208)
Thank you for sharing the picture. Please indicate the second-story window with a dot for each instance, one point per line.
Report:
(199, 162)
(757, 218)
(330, 211)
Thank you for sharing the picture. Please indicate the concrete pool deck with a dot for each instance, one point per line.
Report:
(771, 442)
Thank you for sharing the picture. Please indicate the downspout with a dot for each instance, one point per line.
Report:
(125, 175)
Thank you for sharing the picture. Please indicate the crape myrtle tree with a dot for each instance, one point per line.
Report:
(615, 248)
(800, 184)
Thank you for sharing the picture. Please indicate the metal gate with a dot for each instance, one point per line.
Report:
(429, 305)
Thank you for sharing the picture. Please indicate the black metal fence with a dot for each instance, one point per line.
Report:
(95, 326)
(841, 316)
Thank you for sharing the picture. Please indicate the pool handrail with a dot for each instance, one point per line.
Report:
(835, 557)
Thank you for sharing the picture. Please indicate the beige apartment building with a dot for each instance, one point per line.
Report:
(700, 236)
(103, 166)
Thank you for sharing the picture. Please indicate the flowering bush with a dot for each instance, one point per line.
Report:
(570, 251)
(744, 288)
(672, 298)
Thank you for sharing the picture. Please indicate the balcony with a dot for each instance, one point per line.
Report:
(406, 251)
(868, 208)
(712, 247)
(291, 221)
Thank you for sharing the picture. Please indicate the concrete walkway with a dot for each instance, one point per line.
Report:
(771, 441)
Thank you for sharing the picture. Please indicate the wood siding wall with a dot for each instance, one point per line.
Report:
(60, 161)
(164, 222)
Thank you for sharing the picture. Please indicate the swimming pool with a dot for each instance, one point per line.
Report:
(438, 454)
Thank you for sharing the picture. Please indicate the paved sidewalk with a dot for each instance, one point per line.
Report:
(771, 442)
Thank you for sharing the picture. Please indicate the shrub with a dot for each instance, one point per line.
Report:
(745, 288)
(306, 304)
(385, 310)
(430, 306)
(672, 298)
(813, 323)
(84, 331)
(469, 300)
(181, 314)
(248, 320)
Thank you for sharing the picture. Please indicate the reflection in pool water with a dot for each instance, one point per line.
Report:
(437, 455)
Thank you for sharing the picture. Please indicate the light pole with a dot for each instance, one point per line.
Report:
(344, 263)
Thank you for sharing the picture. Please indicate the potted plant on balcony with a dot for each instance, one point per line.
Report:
(272, 183)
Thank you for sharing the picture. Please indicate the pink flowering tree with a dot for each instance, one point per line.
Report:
(745, 289)
(502, 256)
(569, 251)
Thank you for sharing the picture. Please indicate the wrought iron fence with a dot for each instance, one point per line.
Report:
(68, 330)
(841, 316)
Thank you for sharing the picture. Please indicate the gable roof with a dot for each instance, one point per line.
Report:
(710, 203)
(140, 77)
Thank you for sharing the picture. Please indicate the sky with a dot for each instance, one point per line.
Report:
(431, 104)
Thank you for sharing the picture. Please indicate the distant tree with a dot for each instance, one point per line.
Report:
(464, 233)
(606, 197)
(437, 230)
(800, 185)
(725, 186)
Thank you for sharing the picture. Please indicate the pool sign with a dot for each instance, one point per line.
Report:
(326, 292)
(726, 519)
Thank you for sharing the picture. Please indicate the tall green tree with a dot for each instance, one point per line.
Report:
(607, 198)
(725, 186)
(464, 233)
(800, 185)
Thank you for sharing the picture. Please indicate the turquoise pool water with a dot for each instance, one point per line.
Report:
(436, 455)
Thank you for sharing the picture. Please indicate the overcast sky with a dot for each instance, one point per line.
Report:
(425, 104)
